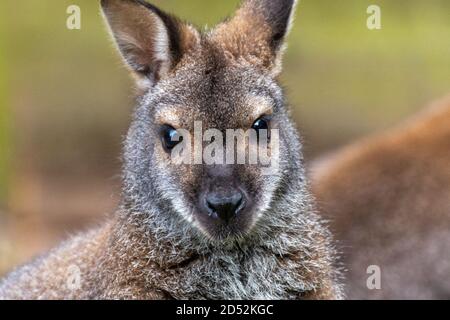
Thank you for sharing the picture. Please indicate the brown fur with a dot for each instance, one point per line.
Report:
(388, 198)
(117, 262)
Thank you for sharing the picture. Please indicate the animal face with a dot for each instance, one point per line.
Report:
(202, 93)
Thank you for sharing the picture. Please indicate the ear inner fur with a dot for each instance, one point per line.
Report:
(151, 42)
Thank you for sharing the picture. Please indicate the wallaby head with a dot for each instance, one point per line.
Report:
(224, 78)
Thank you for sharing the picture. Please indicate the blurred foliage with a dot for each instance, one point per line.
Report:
(4, 114)
(346, 80)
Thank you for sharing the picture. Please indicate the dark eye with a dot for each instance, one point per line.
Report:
(261, 124)
(170, 137)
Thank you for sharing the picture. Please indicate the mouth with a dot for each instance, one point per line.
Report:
(222, 228)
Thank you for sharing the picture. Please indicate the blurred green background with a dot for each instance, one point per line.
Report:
(65, 99)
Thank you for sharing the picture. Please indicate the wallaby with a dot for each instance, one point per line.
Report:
(388, 198)
(198, 231)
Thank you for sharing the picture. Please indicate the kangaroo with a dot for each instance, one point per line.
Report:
(388, 197)
(198, 231)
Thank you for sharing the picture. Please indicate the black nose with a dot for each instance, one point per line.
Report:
(225, 206)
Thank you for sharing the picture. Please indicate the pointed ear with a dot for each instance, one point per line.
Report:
(150, 41)
(257, 31)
